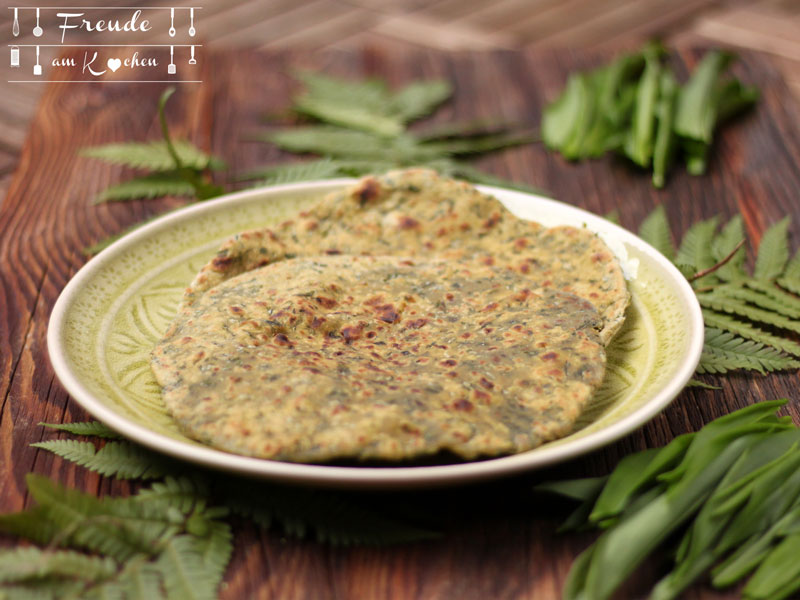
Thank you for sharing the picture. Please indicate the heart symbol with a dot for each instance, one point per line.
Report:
(114, 64)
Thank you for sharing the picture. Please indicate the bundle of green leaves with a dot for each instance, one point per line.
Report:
(751, 318)
(635, 106)
(732, 489)
(363, 127)
(171, 540)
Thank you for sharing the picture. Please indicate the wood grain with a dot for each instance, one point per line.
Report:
(500, 540)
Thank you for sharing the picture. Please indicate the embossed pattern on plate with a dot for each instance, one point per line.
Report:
(121, 302)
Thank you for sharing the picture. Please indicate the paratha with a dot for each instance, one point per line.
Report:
(415, 212)
(379, 357)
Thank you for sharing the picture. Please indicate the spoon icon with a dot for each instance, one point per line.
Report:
(172, 22)
(15, 27)
(37, 31)
(191, 18)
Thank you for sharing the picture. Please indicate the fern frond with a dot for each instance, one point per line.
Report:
(349, 144)
(757, 298)
(790, 278)
(215, 550)
(478, 145)
(724, 352)
(419, 99)
(324, 168)
(347, 115)
(116, 459)
(773, 252)
(181, 493)
(725, 243)
(32, 524)
(369, 94)
(695, 248)
(184, 572)
(138, 581)
(44, 589)
(732, 306)
(784, 303)
(727, 323)
(91, 428)
(473, 175)
(167, 183)
(655, 231)
(333, 519)
(153, 156)
(28, 562)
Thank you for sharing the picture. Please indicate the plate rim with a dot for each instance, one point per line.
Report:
(363, 477)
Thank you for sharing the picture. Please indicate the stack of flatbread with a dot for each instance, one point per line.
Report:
(405, 316)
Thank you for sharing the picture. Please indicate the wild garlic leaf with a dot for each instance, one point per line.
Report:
(154, 185)
(697, 108)
(120, 459)
(724, 351)
(91, 428)
(153, 156)
(655, 231)
(773, 252)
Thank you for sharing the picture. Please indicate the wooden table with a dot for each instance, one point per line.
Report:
(500, 540)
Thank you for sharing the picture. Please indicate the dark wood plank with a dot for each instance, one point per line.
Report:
(500, 541)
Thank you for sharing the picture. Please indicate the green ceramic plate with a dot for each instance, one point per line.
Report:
(112, 313)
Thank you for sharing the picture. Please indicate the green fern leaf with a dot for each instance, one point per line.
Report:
(478, 145)
(757, 298)
(182, 493)
(85, 521)
(790, 278)
(153, 156)
(727, 323)
(473, 175)
(118, 459)
(773, 252)
(215, 550)
(731, 306)
(167, 183)
(332, 518)
(655, 231)
(138, 581)
(44, 589)
(92, 428)
(695, 248)
(419, 99)
(724, 352)
(184, 572)
(348, 144)
(465, 129)
(730, 237)
(786, 304)
(32, 563)
(370, 95)
(32, 524)
(350, 116)
(324, 168)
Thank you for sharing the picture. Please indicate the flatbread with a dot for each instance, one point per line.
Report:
(379, 357)
(416, 212)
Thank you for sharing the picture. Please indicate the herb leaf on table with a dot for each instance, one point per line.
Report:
(362, 127)
(751, 318)
(169, 540)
